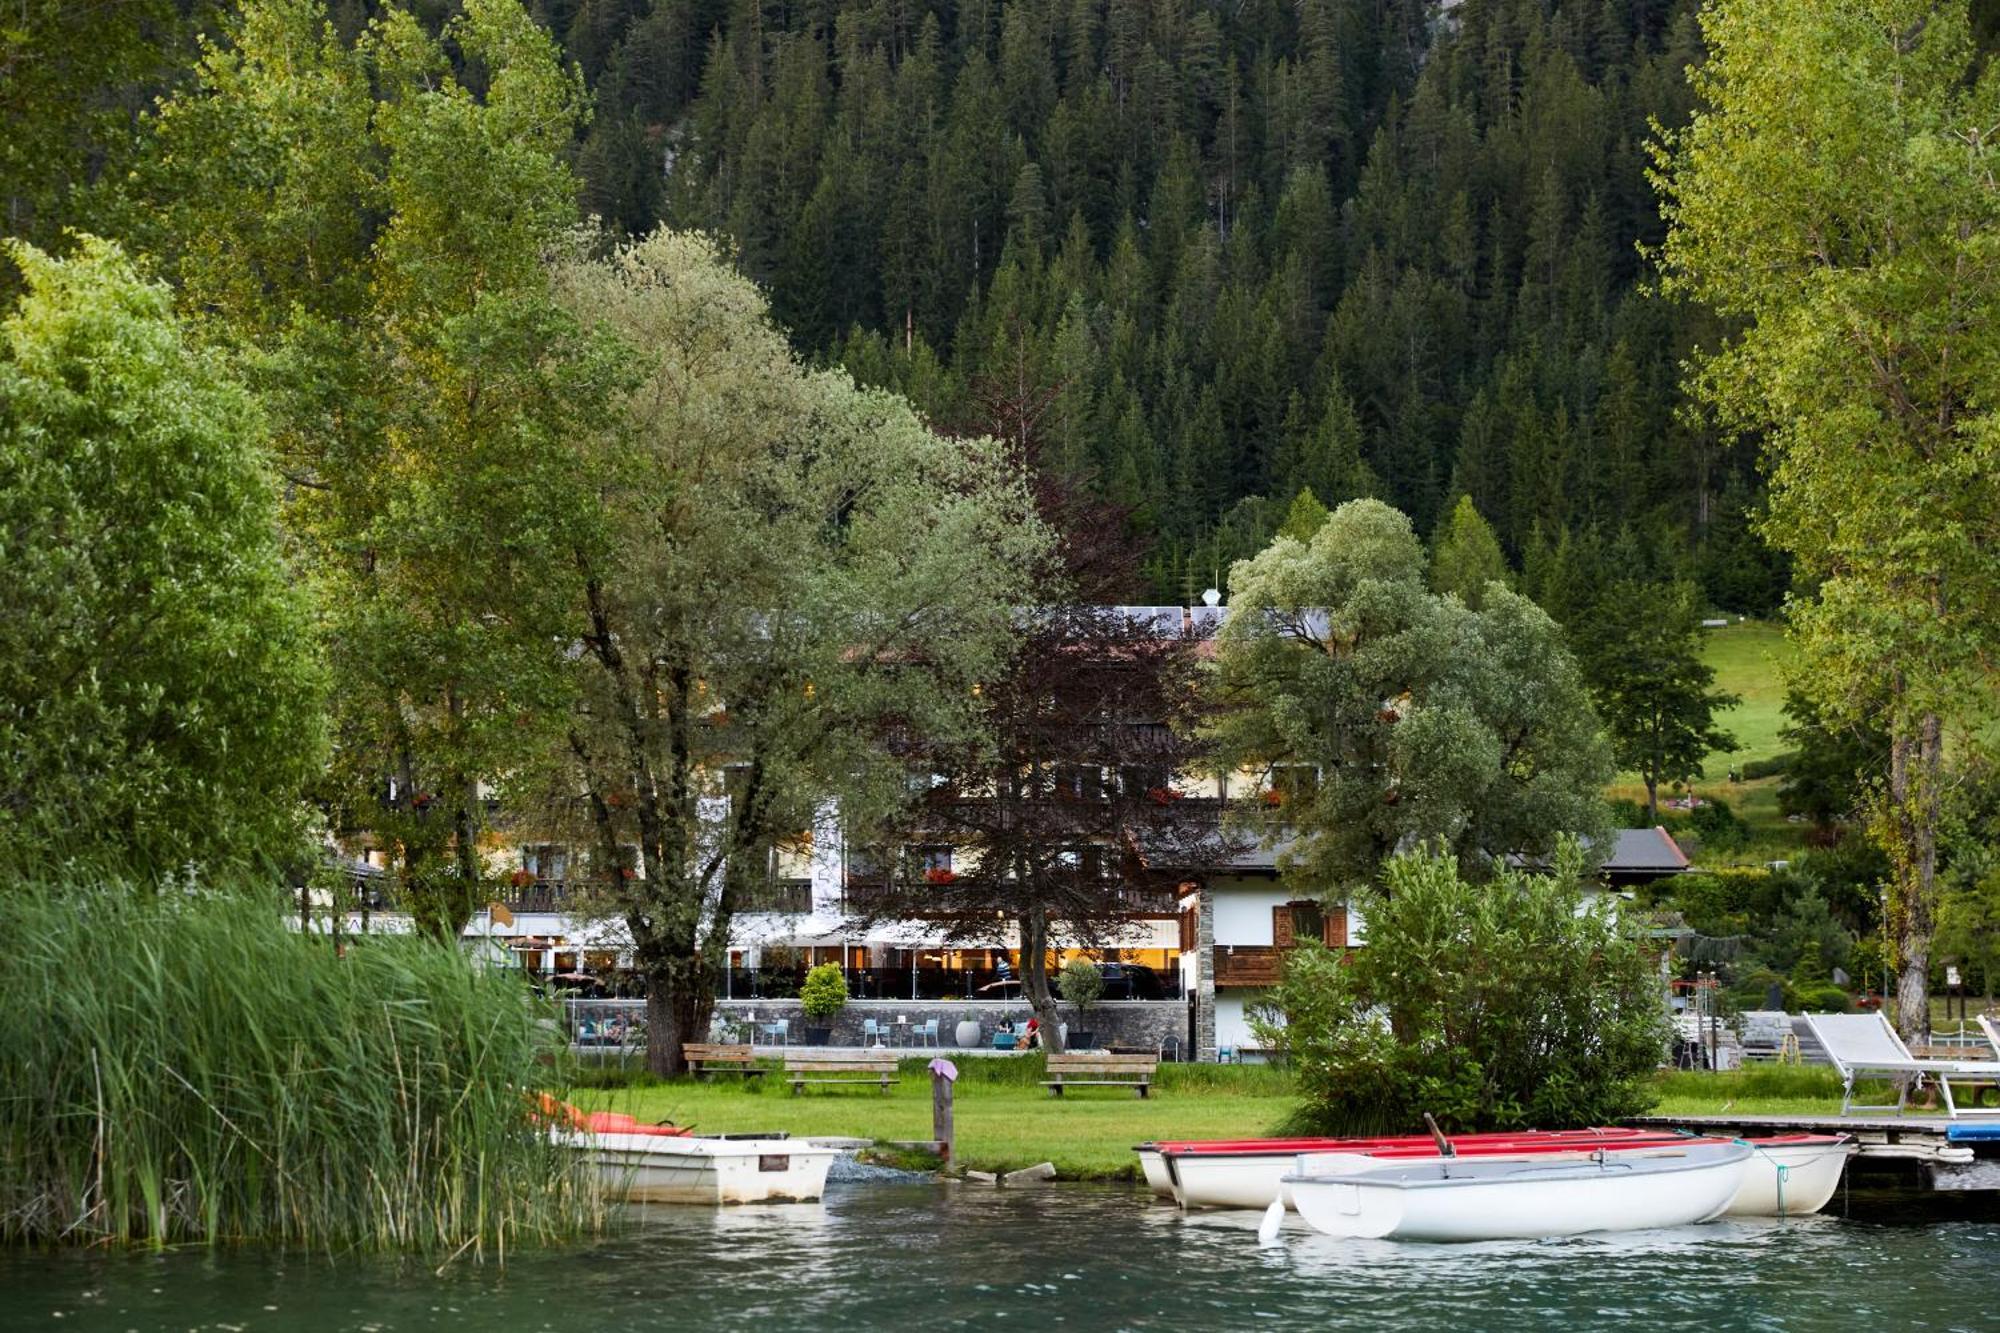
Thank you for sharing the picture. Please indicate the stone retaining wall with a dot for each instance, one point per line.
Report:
(1115, 1022)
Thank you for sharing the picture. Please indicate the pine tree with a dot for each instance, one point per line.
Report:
(1466, 556)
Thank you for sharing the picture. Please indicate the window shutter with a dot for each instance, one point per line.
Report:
(1336, 928)
(1281, 927)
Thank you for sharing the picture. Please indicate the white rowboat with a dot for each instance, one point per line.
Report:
(650, 1168)
(1790, 1177)
(1451, 1199)
(1247, 1174)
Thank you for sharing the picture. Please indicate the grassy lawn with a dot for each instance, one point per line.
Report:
(1767, 1090)
(1749, 660)
(1003, 1118)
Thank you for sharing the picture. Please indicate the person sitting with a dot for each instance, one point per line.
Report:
(1033, 1037)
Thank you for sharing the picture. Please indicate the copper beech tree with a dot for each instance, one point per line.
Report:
(1071, 813)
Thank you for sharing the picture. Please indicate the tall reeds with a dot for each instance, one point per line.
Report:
(182, 1068)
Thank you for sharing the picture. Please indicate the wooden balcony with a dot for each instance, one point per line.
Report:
(1248, 964)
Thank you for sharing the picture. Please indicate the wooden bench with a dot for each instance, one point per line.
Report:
(706, 1058)
(1097, 1069)
(866, 1069)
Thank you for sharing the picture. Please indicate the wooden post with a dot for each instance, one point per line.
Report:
(944, 1074)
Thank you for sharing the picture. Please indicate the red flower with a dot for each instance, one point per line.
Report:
(939, 875)
(1163, 795)
(627, 872)
(523, 878)
(1272, 796)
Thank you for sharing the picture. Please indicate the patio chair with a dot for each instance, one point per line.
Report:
(874, 1033)
(925, 1031)
(1866, 1044)
(780, 1032)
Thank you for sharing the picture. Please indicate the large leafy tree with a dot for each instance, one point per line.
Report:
(160, 692)
(367, 223)
(1426, 721)
(1641, 650)
(1837, 201)
(798, 585)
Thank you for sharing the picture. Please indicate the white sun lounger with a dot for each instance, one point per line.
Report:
(1992, 1031)
(1866, 1044)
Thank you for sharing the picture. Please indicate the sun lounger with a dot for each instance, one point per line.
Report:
(1992, 1031)
(1865, 1044)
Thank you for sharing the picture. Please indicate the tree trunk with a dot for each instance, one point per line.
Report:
(680, 1001)
(1911, 826)
(1653, 798)
(1035, 977)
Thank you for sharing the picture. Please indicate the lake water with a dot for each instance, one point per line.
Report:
(919, 1256)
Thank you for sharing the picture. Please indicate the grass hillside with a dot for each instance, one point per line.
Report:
(1749, 660)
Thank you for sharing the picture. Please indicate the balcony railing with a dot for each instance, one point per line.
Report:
(788, 894)
(1248, 965)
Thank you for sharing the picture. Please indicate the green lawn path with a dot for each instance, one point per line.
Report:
(1004, 1120)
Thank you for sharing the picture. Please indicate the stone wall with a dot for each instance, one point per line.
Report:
(1145, 1023)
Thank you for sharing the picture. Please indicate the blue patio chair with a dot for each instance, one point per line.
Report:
(874, 1033)
(927, 1031)
(779, 1032)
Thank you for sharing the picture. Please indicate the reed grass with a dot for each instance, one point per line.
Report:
(184, 1068)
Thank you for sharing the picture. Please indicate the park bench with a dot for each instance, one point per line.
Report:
(705, 1058)
(867, 1069)
(1101, 1070)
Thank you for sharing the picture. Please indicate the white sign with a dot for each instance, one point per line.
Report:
(1951, 976)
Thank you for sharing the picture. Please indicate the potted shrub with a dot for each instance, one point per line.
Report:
(1081, 984)
(823, 995)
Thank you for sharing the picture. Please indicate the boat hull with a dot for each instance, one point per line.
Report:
(1790, 1178)
(647, 1169)
(1523, 1200)
(1240, 1177)
(1154, 1164)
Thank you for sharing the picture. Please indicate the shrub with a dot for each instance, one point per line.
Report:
(186, 1068)
(1628, 814)
(1080, 982)
(1776, 766)
(1718, 825)
(1824, 999)
(824, 993)
(1489, 1005)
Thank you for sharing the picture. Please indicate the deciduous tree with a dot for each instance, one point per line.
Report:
(160, 689)
(1426, 721)
(1837, 200)
(368, 224)
(798, 584)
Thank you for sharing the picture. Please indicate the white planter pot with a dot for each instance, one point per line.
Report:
(967, 1033)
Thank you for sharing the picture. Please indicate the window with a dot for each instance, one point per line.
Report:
(930, 864)
(545, 860)
(1294, 782)
(1308, 922)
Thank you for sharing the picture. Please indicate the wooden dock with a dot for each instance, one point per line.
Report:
(1922, 1151)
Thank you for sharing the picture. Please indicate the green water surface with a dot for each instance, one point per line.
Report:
(921, 1256)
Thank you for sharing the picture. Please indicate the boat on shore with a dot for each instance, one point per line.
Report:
(653, 1168)
(1245, 1173)
(642, 1163)
(1516, 1198)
